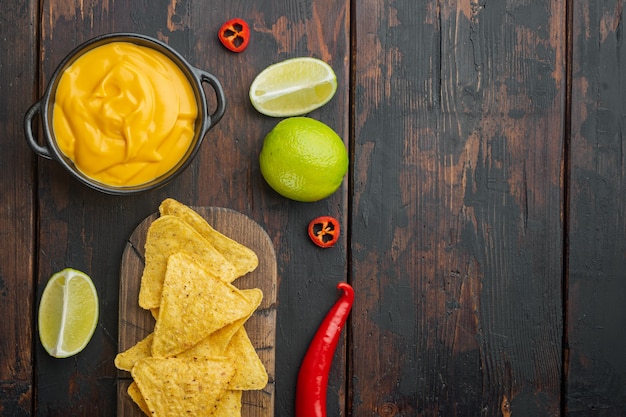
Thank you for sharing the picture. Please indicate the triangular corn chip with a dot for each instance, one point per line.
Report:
(243, 258)
(180, 387)
(142, 349)
(194, 304)
(250, 374)
(216, 343)
(168, 235)
(135, 395)
(229, 405)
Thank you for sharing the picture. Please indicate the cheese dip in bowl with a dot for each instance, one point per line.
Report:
(124, 113)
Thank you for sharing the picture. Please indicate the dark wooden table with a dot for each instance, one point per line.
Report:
(484, 209)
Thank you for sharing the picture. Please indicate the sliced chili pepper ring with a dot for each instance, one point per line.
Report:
(324, 231)
(235, 34)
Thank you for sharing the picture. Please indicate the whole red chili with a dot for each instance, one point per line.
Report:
(324, 231)
(313, 375)
(234, 34)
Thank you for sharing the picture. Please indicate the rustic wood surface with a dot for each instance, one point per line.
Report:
(457, 243)
(18, 87)
(483, 214)
(596, 186)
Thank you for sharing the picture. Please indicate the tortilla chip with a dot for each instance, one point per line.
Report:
(194, 304)
(216, 343)
(142, 349)
(168, 235)
(199, 358)
(229, 405)
(182, 387)
(135, 395)
(250, 374)
(243, 258)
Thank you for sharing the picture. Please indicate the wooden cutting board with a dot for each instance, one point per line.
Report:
(135, 323)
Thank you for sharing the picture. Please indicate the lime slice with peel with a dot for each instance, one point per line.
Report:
(68, 313)
(293, 87)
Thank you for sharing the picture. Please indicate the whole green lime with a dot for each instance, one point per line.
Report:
(303, 159)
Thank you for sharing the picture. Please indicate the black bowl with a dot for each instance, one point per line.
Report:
(196, 77)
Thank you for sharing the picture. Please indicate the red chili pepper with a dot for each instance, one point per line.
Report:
(235, 34)
(313, 375)
(324, 231)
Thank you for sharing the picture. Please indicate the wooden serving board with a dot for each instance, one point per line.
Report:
(136, 323)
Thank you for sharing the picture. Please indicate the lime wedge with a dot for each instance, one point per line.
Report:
(293, 87)
(68, 313)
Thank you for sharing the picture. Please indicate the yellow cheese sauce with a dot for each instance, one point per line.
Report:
(124, 113)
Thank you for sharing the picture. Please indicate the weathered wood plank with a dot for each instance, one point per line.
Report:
(307, 275)
(456, 222)
(86, 230)
(227, 173)
(81, 228)
(17, 224)
(596, 384)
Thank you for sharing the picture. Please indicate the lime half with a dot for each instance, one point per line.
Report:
(68, 313)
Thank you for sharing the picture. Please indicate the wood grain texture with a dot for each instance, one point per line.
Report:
(452, 211)
(456, 220)
(17, 221)
(136, 323)
(596, 383)
(227, 172)
(82, 228)
(86, 230)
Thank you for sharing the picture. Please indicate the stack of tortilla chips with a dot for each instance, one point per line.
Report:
(198, 359)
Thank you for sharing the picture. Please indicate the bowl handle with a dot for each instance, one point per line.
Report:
(210, 79)
(28, 130)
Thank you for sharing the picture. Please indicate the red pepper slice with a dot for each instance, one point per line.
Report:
(324, 231)
(234, 34)
(312, 380)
